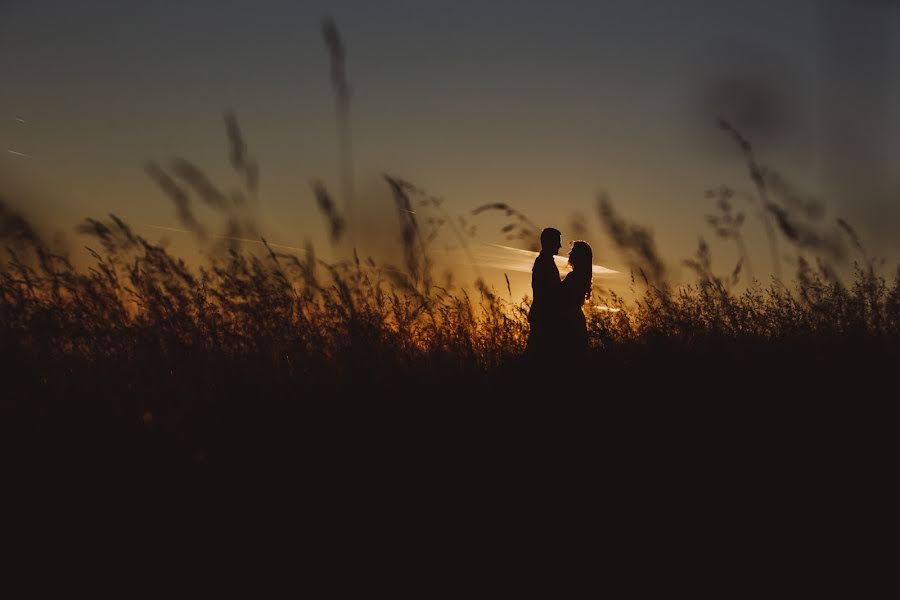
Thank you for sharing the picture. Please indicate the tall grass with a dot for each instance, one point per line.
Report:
(142, 336)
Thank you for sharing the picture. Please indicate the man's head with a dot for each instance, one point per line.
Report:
(551, 240)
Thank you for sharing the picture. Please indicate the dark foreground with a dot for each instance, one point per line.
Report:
(640, 409)
(732, 460)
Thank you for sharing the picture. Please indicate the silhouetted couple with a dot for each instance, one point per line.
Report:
(558, 327)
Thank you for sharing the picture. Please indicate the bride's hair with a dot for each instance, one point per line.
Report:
(581, 259)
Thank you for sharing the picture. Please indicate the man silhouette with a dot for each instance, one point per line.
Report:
(545, 287)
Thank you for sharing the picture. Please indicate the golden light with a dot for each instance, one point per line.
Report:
(506, 258)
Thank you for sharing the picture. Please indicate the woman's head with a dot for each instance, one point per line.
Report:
(581, 257)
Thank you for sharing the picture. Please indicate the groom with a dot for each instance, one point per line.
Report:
(545, 286)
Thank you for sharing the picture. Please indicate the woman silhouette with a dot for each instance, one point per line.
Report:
(576, 290)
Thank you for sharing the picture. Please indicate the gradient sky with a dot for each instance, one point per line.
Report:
(540, 106)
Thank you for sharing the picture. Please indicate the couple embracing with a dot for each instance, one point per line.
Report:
(557, 321)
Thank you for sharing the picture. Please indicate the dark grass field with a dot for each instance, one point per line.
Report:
(714, 437)
(235, 368)
(358, 390)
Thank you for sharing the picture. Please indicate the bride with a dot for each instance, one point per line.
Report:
(575, 291)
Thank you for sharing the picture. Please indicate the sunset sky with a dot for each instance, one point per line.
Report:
(541, 106)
